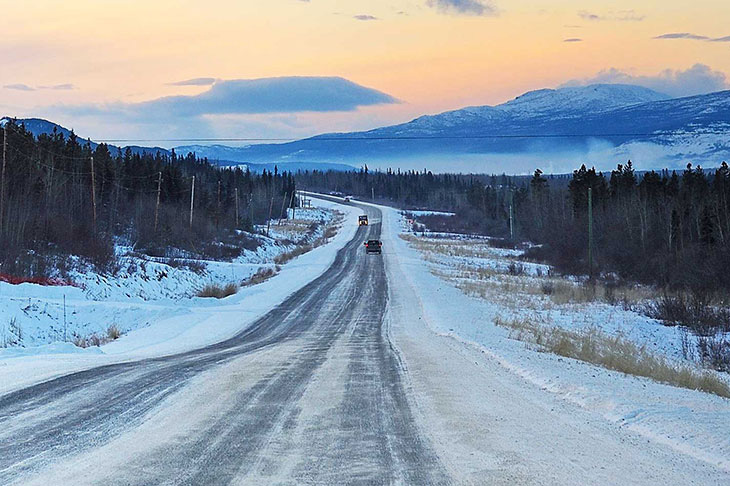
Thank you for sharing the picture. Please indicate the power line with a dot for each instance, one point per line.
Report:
(405, 137)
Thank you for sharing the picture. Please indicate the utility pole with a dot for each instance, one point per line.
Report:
(2, 179)
(237, 220)
(64, 317)
(283, 203)
(511, 215)
(192, 196)
(372, 191)
(590, 232)
(157, 206)
(250, 207)
(293, 204)
(218, 210)
(93, 192)
(268, 221)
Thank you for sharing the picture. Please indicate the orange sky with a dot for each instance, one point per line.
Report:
(432, 60)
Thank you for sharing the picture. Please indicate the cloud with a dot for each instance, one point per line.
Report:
(573, 39)
(25, 87)
(698, 79)
(721, 39)
(464, 7)
(364, 17)
(681, 35)
(59, 87)
(616, 16)
(194, 82)
(248, 96)
(19, 87)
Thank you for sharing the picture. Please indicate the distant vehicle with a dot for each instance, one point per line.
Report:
(363, 220)
(348, 198)
(374, 246)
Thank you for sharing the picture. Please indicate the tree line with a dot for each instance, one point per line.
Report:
(60, 197)
(665, 228)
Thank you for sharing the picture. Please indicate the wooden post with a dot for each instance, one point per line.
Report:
(192, 196)
(218, 209)
(590, 232)
(2, 180)
(237, 220)
(93, 192)
(283, 203)
(293, 204)
(157, 206)
(268, 221)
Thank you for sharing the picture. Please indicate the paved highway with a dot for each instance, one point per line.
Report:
(311, 393)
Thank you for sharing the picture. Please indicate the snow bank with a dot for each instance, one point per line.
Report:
(165, 326)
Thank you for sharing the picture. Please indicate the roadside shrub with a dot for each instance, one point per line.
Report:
(113, 332)
(695, 311)
(217, 291)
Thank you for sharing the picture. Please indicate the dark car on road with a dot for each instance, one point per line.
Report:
(374, 246)
(363, 220)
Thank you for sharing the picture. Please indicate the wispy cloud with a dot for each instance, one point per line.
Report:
(19, 87)
(573, 39)
(698, 79)
(25, 87)
(682, 35)
(691, 36)
(616, 16)
(59, 87)
(364, 17)
(463, 7)
(248, 96)
(194, 82)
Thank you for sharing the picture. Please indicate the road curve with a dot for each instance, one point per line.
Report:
(311, 393)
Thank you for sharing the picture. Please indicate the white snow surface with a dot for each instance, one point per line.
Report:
(156, 320)
(566, 421)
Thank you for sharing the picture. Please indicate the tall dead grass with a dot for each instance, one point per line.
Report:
(615, 353)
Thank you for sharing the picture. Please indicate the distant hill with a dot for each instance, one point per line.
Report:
(38, 126)
(598, 122)
(216, 154)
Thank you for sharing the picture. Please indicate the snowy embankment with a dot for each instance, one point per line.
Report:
(689, 429)
(155, 307)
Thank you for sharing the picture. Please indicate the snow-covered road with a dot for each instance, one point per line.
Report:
(353, 379)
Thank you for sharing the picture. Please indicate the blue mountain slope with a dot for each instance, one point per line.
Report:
(565, 118)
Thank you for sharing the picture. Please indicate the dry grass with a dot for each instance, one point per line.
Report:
(112, 333)
(261, 275)
(283, 258)
(217, 291)
(615, 353)
(329, 232)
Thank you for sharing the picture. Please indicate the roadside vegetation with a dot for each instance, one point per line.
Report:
(539, 302)
(62, 197)
(615, 353)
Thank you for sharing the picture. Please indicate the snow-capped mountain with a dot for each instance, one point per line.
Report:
(556, 124)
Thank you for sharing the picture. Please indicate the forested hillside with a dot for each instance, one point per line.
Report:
(59, 197)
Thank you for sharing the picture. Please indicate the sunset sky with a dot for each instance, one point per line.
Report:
(99, 66)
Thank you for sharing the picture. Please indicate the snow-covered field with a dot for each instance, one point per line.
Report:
(686, 433)
(154, 306)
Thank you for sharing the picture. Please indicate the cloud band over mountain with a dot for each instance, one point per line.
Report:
(251, 96)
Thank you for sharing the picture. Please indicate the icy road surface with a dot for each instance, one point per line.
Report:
(350, 381)
(312, 392)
